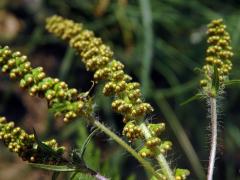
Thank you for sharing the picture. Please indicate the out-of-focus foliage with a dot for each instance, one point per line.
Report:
(177, 45)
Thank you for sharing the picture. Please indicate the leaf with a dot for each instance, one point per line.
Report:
(81, 176)
(48, 151)
(73, 175)
(193, 98)
(53, 167)
(84, 146)
(43, 146)
(58, 107)
(84, 95)
(231, 82)
(77, 157)
(198, 70)
(182, 172)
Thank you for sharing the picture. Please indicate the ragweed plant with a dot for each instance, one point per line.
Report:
(127, 100)
(215, 74)
(98, 58)
(62, 101)
(69, 104)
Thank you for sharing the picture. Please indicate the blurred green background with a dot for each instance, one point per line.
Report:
(160, 42)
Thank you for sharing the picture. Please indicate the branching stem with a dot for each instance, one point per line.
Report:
(213, 115)
(122, 143)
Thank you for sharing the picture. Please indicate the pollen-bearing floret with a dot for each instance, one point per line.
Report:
(218, 59)
(26, 146)
(61, 99)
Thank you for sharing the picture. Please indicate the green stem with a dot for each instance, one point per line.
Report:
(128, 148)
(160, 158)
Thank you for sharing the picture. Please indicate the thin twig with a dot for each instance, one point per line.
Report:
(122, 143)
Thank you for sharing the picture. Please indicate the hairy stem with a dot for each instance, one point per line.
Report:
(128, 148)
(180, 135)
(100, 177)
(213, 114)
(160, 158)
(97, 176)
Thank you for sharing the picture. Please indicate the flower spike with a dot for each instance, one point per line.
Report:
(61, 99)
(218, 59)
(26, 145)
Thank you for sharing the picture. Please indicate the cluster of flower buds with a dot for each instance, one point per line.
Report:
(98, 57)
(62, 100)
(132, 131)
(156, 129)
(179, 174)
(128, 101)
(218, 58)
(149, 149)
(26, 146)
